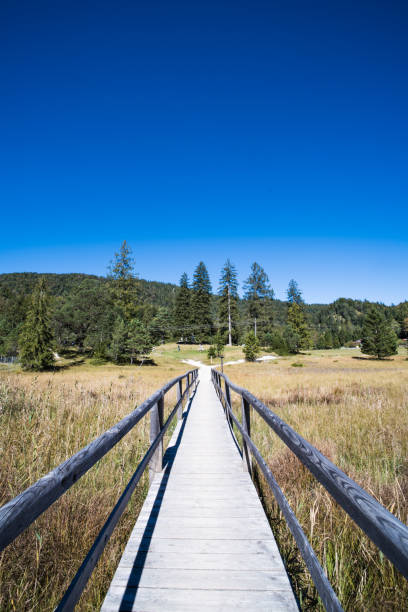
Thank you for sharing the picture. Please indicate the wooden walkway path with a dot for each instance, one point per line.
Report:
(202, 540)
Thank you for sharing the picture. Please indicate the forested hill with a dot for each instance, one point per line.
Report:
(84, 314)
(22, 284)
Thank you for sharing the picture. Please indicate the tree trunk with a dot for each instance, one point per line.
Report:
(229, 318)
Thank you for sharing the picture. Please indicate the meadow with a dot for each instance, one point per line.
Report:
(44, 419)
(352, 408)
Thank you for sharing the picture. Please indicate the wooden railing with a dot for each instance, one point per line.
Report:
(20, 512)
(382, 527)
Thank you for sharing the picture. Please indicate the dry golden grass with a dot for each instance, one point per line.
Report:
(355, 412)
(44, 419)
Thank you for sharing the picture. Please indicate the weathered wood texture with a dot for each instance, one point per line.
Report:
(202, 540)
(20, 512)
(390, 535)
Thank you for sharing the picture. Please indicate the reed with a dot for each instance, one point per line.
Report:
(355, 412)
(44, 419)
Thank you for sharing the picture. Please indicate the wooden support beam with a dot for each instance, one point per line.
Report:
(156, 424)
(246, 425)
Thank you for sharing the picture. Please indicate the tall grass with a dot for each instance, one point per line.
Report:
(44, 419)
(355, 413)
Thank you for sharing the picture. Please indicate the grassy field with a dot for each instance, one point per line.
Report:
(354, 410)
(44, 419)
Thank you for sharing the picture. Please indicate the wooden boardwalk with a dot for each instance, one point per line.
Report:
(202, 540)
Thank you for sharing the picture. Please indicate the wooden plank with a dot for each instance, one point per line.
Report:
(241, 548)
(209, 561)
(203, 579)
(190, 600)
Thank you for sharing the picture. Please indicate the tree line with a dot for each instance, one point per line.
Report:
(120, 317)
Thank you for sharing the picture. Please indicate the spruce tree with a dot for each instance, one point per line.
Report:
(160, 328)
(228, 303)
(124, 282)
(258, 294)
(294, 294)
(378, 337)
(201, 303)
(182, 311)
(36, 337)
(297, 323)
(138, 341)
(251, 347)
(118, 345)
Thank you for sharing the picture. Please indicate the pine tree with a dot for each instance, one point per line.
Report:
(299, 326)
(294, 294)
(160, 328)
(378, 337)
(124, 282)
(228, 303)
(36, 337)
(118, 345)
(138, 342)
(201, 303)
(292, 339)
(258, 293)
(251, 347)
(182, 311)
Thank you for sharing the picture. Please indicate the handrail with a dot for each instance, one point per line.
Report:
(382, 527)
(20, 512)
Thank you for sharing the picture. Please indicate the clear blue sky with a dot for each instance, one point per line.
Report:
(274, 131)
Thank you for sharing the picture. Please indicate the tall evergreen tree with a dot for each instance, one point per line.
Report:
(298, 325)
(201, 303)
(118, 345)
(378, 336)
(251, 346)
(138, 342)
(36, 337)
(182, 311)
(258, 293)
(294, 293)
(228, 303)
(160, 328)
(124, 282)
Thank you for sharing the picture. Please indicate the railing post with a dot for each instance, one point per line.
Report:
(188, 386)
(179, 396)
(156, 424)
(246, 426)
(228, 396)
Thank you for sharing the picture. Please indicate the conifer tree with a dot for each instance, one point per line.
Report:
(201, 303)
(378, 337)
(228, 303)
(36, 337)
(118, 345)
(182, 311)
(138, 341)
(294, 294)
(124, 282)
(297, 323)
(160, 327)
(258, 293)
(217, 347)
(251, 347)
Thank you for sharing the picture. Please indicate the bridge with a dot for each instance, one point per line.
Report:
(202, 540)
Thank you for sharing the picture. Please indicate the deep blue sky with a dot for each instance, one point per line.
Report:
(272, 131)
